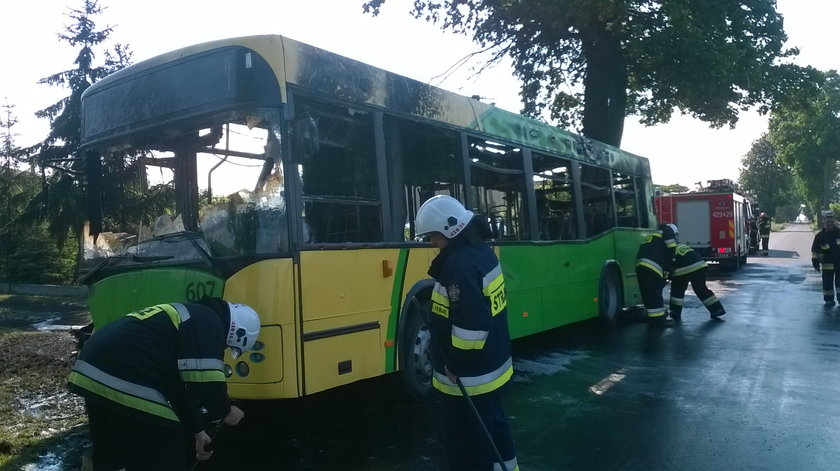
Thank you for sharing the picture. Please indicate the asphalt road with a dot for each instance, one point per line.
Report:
(757, 390)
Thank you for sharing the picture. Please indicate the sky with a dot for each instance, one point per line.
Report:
(683, 151)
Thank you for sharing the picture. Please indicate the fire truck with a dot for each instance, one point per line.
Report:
(713, 220)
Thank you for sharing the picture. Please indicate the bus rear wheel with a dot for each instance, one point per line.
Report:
(416, 355)
(609, 298)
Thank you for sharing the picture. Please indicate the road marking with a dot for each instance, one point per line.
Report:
(605, 384)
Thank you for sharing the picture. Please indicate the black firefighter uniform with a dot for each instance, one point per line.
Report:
(125, 366)
(469, 318)
(652, 261)
(826, 251)
(689, 267)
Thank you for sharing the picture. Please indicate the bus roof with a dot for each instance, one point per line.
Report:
(300, 65)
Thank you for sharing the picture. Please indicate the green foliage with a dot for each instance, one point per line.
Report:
(768, 178)
(806, 134)
(672, 188)
(590, 62)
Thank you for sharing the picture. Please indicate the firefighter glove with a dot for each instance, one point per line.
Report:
(816, 265)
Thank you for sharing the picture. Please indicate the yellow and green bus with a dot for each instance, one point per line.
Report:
(273, 173)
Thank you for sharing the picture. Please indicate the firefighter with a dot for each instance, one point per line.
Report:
(469, 319)
(764, 232)
(826, 251)
(148, 376)
(653, 260)
(689, 267)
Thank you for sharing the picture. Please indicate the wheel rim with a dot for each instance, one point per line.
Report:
(421, 356)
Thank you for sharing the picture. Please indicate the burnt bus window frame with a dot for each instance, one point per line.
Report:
(597, 220)
(557, 218)
(501, 163)
(369, 206)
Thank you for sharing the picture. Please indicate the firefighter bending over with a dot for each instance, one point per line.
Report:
(147, 376)
(653, 260)
(689, 267)
(826, 251)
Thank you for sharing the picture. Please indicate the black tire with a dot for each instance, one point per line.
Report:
(415, 356)
(609, 298)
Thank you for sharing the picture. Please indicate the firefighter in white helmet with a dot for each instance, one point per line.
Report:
(148, 377)
(689, 267)
(469, 321)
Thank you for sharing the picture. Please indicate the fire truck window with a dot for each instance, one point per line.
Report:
(596, 189)
(556, 217)
(625, 200)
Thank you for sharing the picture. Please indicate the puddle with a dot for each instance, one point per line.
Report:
(63, 455)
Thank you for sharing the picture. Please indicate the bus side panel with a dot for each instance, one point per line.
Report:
(627, 242)
(269, 287)
(548, 286)
(346, 305)
(117, 295)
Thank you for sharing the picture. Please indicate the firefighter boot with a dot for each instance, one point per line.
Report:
(717, 312)
(676, 314)
(660, 321)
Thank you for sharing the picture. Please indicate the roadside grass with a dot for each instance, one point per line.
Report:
(35, 407)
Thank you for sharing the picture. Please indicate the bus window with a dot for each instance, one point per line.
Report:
(555, 198)
(644, 196)
(423, 162)
(498, 187)
(625, 200)
(340, 191)
(598, 214)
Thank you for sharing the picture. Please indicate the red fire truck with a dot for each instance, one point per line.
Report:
(714, 221)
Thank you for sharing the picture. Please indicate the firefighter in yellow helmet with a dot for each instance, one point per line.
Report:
(146, 377)
(469, 321)
(825, 251)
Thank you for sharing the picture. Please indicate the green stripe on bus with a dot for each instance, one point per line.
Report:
(396, 296)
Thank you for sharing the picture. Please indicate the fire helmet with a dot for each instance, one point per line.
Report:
(244, 328)
(674, 228)
(442, 214)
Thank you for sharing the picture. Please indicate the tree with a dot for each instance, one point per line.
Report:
(61, 200)
(592, 62)
(764, 175)
(806, 134)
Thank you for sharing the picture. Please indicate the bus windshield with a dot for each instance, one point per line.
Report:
(216, 192)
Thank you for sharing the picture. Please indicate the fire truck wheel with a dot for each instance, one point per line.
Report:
(609, 297)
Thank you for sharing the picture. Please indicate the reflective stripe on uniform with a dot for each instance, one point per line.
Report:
(177, 313)
(828, 266)
(135, 396)
(468, 339)
(689, 268)
(201, 370)
(646, 262)
(656, 312)
(710, 300)
(493, 286)
(676, 301)
(440, 300)
(475, 384)
(670, 243)
(824, 246)
(510, 465)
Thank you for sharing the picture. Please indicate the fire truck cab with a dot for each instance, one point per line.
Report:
(713, 220)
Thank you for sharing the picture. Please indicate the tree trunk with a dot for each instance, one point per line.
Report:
(605, 87)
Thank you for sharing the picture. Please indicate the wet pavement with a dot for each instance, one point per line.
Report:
(756, 390)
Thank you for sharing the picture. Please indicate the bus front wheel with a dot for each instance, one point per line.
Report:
(416, 356)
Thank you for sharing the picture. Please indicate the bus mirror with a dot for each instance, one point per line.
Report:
(305, 137)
